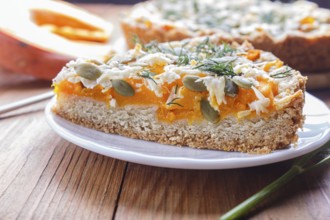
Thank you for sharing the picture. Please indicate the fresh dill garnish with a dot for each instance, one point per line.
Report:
(204, 46)
(182, 53)
(147, 74)
(221, 68)
(155, 47)
(212, 50)
(208, 57)
(283, 74)
(206, 54)
(172, 102)
(152, 47)
(223, 50)
(183, 59)
(172, 49)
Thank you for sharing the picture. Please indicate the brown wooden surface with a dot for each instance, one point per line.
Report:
(43, 176)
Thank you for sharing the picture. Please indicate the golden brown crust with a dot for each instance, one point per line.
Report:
(306, 54)
(255, 135)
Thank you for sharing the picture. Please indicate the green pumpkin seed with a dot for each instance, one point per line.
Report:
(242, 82)
(88, 71)
(208, 112)
(231, 89)
(190, 83)
(122, 87)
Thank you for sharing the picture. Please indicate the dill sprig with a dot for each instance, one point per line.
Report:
(212, 50)
(283, 74)
(219, 68)
(153, 47)
(184, 59)
(212, 53)
(172, 102)
(184, 56)
(205, 46)
(223, 50)
(206, 54)
(205, 49)
(147, 74)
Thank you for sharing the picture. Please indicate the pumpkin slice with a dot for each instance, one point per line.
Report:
(40, 36)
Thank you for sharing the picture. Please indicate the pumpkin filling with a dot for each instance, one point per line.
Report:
(187, 107)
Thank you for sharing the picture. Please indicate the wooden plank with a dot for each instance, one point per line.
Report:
(307, 197)
(43, 176)
(159, 193)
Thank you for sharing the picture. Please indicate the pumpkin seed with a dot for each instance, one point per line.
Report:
(88, 71)
(122, 87)
(231, 89)
(242, 82)
(190, 83)
(208, 112)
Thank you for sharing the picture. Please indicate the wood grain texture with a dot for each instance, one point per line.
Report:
(43, 176)
(159, 193)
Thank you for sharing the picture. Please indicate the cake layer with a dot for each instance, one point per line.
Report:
(255, 135)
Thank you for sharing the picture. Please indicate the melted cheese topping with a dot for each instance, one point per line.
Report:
(238, 18)
(156, 75)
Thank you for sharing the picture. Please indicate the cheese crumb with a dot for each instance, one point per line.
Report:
(260, 105)
(216, 88)
(113, 103)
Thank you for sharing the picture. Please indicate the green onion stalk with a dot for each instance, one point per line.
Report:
(301, 165)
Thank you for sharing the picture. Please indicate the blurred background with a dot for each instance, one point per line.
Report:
(322, 3)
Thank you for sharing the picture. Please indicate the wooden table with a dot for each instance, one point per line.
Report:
(42, 176)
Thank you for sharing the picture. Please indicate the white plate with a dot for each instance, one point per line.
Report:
(315, 133)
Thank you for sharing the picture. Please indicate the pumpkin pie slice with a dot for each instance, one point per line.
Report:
(199, 93)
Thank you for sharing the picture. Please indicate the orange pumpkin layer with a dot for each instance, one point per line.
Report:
(187, 107)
